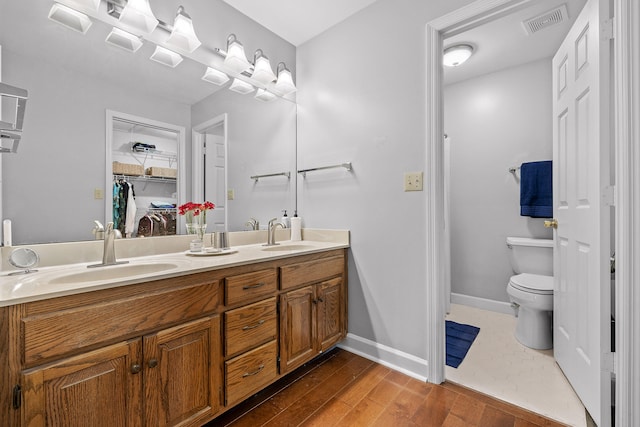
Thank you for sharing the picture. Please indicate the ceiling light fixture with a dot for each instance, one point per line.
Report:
(241, 86)
(284, 85)
(137, 14)
(124, 40)
(262, 71)
(183, 36)
(236, 60)
(456, 55)
(70, 18)
(214, 76)
(166, 57)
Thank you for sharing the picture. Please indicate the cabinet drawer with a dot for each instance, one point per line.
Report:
(57, 333)
(246, 327)
(311, 271)
(250, 372)
(250, 286)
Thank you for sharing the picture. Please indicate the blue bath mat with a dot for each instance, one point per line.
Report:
(459, 340)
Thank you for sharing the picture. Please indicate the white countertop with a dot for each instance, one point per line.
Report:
(67, 279)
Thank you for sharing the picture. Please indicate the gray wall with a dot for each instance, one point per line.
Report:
(494, 122)
(361, 95)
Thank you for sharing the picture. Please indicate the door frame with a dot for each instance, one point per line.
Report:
(197, 163)
(626, 93)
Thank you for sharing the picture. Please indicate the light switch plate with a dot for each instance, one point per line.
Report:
(413, 181)
(231, 194)
(98, 193)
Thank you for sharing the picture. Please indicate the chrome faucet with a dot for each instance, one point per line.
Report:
(109, 251)
(253, 223)
(271, 231)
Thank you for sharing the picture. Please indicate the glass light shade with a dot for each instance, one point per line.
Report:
(284, 85)
(183, 35)
(124, 40)
(137, 14)
(70, 18)
(241, 87)
(264, 95)
(214, 76)
(456, 55)
(236, 60)
(166, 57)
(262, 71)
(90, 4)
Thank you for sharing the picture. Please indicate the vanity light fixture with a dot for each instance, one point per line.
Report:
(70, 18)
(137, 14)
(241, 87)
(262, 71)
(183, 36)
(124, 40)
(457, 54)
(264, 95)
(166, 57)
(236, 60)
(214, 76)
(284, 85)
(89, 4)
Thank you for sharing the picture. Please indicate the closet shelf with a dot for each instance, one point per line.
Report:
(145, 178)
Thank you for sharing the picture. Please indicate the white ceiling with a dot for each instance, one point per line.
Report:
(299, 20)
(498, 45)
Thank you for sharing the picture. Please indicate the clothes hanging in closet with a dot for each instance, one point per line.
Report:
(124, 207)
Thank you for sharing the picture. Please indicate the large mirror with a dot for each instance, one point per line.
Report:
(55, 187)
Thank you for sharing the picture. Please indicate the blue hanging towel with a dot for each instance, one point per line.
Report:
(536, 196)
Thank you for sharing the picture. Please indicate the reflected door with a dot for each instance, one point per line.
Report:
(215, 176)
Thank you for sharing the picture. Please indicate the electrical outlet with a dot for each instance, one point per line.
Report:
(413, 181)
(231, 194)
(98, 193)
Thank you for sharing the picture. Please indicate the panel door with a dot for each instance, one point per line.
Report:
(183, 373)
(582, 238)
(101, 388)
(330, 311)
(297, 328)
(215, 184)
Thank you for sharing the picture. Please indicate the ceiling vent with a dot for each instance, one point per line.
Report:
(545, 20)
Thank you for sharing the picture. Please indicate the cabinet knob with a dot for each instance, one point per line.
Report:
(135, 368)
(152, 363)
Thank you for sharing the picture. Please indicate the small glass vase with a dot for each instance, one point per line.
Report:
(197, 225)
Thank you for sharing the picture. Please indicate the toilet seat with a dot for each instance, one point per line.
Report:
(533, 283)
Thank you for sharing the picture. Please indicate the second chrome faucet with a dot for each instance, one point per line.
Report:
(271, 231)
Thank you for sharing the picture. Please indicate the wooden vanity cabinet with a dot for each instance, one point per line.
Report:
(312, 316)
(170, 352)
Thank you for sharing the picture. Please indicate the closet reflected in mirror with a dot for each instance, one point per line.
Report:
(145, 175)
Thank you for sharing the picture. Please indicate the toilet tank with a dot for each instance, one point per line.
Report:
(528, 255)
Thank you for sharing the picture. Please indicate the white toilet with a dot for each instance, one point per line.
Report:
(531, 290)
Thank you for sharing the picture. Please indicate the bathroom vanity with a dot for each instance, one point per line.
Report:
(175, 348)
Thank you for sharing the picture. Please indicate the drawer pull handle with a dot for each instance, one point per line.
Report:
(153, 363)
(250, 374)
(256, 286)
(136, 368)
(246, 328)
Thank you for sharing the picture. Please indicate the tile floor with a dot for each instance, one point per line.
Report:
(498, 365)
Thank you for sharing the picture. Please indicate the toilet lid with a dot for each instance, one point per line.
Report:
(535, 283)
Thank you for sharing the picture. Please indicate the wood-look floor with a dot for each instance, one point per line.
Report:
(343, 389)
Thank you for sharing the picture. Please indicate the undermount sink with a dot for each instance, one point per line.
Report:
(282, 248)
(112, 272)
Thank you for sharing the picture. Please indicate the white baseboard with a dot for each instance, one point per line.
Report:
(391, 358)
(482, 303)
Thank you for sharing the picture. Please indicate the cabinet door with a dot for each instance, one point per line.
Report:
(330, 323)
(297, 326)
(183, 373)
(99, 388)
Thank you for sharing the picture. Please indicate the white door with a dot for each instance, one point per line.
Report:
(215, 178)
(581, 177)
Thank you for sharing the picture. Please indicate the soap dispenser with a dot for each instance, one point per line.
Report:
(285, 220)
